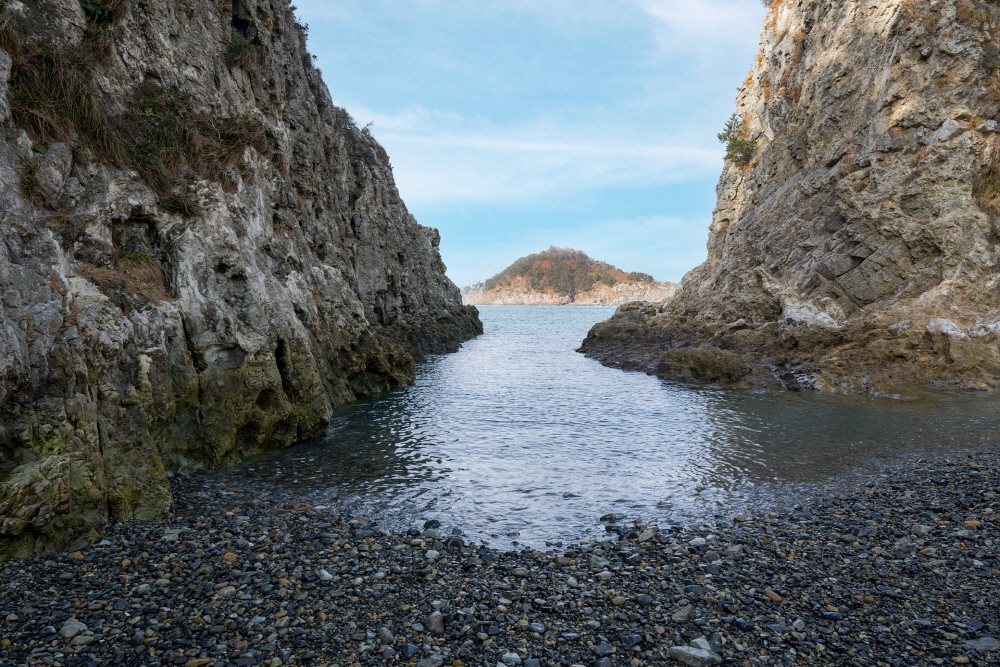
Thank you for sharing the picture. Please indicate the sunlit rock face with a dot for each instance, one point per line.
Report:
(195, 268)
(856, 248)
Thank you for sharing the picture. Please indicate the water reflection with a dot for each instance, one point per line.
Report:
(519, 437)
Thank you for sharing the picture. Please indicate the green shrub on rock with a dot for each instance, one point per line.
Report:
(738, 149)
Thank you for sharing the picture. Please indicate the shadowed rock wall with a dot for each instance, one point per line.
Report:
(149, 324)
(857, 248)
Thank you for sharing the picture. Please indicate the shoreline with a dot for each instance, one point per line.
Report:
(897, 565)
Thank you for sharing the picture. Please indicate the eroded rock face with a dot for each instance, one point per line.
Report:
(850, 253)
(144, 327)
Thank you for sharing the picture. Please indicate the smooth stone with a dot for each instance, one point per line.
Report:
(510, 659)
(324, 575)
(71, 629)
(701, 643)
(435, 622)
(982, 644)
(683, 615)
(596, 563)
(695, 657)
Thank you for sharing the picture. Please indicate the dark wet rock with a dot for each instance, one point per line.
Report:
(983, 644)
(603, 649)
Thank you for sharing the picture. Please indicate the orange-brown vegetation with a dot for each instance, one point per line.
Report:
(562, 271)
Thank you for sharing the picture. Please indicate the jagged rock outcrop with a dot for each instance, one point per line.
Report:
(200, 255)
(855, 243)
(562, 277)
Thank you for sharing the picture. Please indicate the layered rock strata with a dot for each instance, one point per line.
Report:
(200, 255)
(856, 246)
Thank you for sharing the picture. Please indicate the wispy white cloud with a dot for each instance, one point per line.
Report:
(501, 117)
(445, 157)
(711, 24)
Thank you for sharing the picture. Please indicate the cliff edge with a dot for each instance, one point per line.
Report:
(854, 246)
(200, 255)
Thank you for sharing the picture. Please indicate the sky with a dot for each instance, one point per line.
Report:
(515, 125)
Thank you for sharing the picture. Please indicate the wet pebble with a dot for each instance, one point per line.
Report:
(254, 576)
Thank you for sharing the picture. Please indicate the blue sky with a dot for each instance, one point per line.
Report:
(513, 125)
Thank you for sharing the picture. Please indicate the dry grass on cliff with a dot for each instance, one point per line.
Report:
(53, 96)
(242, 53)
(31, 185)
(181, 203)
(968, 15)
(986, 189)
(135, 275)
(11, 35)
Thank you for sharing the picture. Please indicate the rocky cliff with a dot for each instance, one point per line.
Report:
(200, 255)
(855, 241)
(563, 276)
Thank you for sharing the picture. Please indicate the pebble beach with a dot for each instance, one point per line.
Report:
(894, 568)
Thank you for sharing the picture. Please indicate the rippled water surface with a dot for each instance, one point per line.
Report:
(517, 437)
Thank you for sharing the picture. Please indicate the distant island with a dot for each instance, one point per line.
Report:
(563, 276)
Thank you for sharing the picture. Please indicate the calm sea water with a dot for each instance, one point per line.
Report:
(518, 438)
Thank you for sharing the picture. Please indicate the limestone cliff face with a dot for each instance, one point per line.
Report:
(520, 293)
(857, 248)
(200, 255)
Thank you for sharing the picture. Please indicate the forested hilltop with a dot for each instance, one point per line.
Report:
(559, 276)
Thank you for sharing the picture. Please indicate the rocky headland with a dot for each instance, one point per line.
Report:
(563, 277)
(200, 255)
(855, 244)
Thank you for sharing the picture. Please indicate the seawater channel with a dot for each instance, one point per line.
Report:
(519, 439)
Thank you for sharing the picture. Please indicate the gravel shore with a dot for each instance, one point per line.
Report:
(897, 570)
